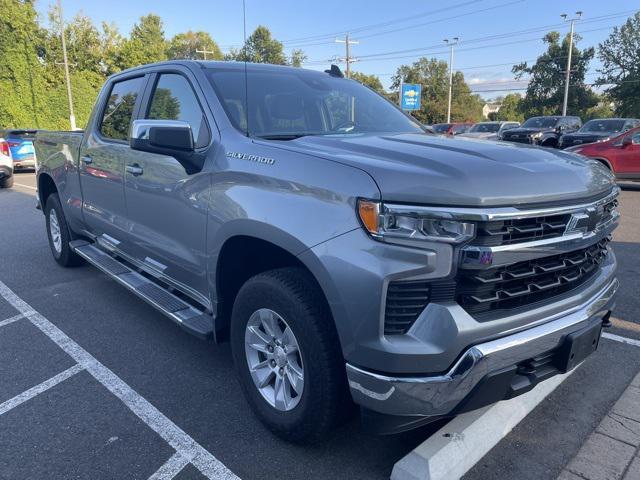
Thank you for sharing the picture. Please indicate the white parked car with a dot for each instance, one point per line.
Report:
(489, 130)
(6, 165)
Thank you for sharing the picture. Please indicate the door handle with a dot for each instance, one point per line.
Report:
(87, 159)
(134, 169)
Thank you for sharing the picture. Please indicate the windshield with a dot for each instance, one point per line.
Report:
(289, 103)
(540, 122)
(603, 126)
(441, 127)
(485, 128)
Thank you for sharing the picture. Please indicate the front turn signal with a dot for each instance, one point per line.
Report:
(369, 213)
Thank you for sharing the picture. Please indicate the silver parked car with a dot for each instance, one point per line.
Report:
(489, 130)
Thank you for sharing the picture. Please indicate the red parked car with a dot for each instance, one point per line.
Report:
(620, 154)
(451, 128)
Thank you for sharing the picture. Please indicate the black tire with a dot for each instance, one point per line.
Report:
(65, 256)
(293, 294)
(6, 182)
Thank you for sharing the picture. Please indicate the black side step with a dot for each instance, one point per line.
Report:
(192, 320)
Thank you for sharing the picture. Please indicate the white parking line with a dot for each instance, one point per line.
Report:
(618, 338)
(177, 438)
(25, 186)
(171, 468)
(15, 318)
(38, 389)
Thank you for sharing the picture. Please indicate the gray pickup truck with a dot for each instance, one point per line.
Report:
(346, 254)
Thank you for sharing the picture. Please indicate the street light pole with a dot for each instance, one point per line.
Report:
(452, 43)
(568, 73)
(72, 117)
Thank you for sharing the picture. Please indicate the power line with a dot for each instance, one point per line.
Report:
(444, 52)
(376, 25)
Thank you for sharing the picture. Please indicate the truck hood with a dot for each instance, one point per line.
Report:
(430, 170)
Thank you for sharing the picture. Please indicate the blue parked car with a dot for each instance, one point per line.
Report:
(21, 146)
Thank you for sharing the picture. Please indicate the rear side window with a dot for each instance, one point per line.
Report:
(174, 99)
(119, 109)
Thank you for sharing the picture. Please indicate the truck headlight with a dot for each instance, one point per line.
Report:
(403, 227)
(536, 136)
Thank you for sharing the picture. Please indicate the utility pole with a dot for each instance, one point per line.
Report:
(348, 59)
(204, 52)
(568, 74)
(452, 43)
(72, 117)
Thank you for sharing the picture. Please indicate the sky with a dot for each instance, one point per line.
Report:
(493, 34)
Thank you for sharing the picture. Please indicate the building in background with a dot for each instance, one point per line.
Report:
(490, 108)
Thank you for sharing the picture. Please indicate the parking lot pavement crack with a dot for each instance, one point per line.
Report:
(10, 320)
(177, 438)
(170, 468)
(38, 389)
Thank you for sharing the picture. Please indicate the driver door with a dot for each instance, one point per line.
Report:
(628, 157)
(166, 205)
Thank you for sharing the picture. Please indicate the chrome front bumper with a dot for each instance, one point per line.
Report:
(433, 396)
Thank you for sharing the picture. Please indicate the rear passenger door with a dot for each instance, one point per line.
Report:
(166, 205)
(102, 159)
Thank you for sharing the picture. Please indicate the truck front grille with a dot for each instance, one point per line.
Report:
(524, 283)
(507, 232)
(405, 301)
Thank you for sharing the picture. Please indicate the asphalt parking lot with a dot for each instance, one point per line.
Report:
(129, 395)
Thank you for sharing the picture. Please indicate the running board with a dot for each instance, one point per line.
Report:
(192, 320)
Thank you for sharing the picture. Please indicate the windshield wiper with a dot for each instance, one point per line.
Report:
(283, 136)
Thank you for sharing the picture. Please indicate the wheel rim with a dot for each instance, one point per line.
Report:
(54, 230)
(274, 359)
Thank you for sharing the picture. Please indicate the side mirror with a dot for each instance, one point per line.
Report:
(167, 137)
(626, 141)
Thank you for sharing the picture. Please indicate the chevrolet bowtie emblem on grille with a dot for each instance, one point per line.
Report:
(586, 221)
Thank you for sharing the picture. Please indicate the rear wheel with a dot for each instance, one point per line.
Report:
(59, 234)
(6, 182)
(287, 355)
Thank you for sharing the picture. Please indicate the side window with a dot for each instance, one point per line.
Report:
(119, 109)
(635, 139)
(174, 99)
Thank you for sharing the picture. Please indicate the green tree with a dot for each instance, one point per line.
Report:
(146, 44)
(620, 57)
(604, 109)
(261, 47)
(371, 81)
(511, 108)
(112, 43)
(433, 75)
(185, 45)
(545, 91)
(297, 58)
(22, 82)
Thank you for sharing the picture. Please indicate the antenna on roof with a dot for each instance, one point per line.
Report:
(335, 71)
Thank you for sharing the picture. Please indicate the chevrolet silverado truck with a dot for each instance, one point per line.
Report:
(346, 254)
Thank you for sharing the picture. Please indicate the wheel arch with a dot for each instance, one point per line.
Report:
(243, 255)
(46, 187)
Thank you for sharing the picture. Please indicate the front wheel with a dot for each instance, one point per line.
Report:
(59, 234)
(287, 355)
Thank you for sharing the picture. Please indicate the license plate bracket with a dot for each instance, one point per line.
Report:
(577, 346)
